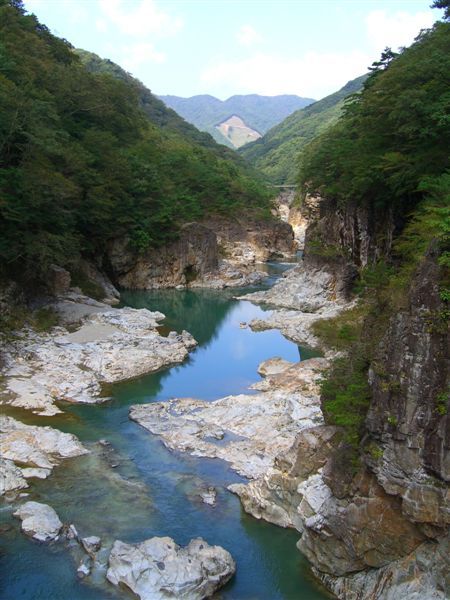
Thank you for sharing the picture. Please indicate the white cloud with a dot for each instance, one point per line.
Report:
(247, 36)
(140, 19)
(395, 29)
(135, 55)
(314, 74)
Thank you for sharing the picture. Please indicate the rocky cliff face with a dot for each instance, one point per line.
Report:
(216, 253)
(393, 516)
(345, 239)
(377, 529)
(193, 254)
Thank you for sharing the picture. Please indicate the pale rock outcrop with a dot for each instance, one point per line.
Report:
(110, 345)
(302, 296)
(158, 568)
(302, 289)
(209, 496)
(230, 275)
(252, 241)
(11, 477)
(248, 431)
(39, 521)
(286, 209)
(292, 489)
(32, 451)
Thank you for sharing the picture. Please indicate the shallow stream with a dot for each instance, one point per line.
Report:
(133, 488)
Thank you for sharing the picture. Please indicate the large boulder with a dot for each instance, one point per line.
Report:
(159, 569)
(39, 521)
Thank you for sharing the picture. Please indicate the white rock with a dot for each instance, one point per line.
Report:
(36, 447)
(83, 569)
(157, 569)
(110, 345)
(306, 290)
(273, 366)
(29, 472)
(91, 544)
(255, 428)
(39, 521)
(209, 496)
(11, 477)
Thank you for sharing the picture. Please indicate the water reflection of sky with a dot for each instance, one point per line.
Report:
(154, 491)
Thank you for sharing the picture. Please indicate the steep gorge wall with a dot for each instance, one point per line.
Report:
(346, 239)
(374, 526)
(383, 532)
(198, 253)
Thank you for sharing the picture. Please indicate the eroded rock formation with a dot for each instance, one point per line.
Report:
(158, 568)
(217, 253)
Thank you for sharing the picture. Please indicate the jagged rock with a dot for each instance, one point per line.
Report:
(408, 376)
(158, 568)
(253, 241)
(292, 489)
(192, 255)
(255, 428)
(91, 544)
(365, 529)
(108, 293)
(209, 496)
(422, 575)
(39, 521)
(273, 366)
(38, 473)
(216, 254)
(37, 447)
(297, 218)
(110, 345)
(301, 289)
(72, 533)
(11, 477)
(84, 569)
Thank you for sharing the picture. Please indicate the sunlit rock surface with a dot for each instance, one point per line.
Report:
(39, 521)
(31, 451)
(104, 345)
(158, 568)
(248, 431)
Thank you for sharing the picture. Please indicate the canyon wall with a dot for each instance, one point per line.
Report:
(216, 253)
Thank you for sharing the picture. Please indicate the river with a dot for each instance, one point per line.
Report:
(134, 488)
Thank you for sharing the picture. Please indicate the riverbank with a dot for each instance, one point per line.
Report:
(164, 488)
(94, 345)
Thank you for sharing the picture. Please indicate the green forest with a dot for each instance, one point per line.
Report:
(389, 152)
(88, 154)
(279, 152)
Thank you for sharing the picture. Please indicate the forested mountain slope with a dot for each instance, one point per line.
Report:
(258, 112)
(383, 180)
(86, 156)
(277, 153)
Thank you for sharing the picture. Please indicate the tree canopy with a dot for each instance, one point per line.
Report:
(86, 156)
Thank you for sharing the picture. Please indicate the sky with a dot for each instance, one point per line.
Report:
(224, 47)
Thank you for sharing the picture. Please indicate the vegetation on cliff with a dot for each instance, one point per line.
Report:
(389, 153)
(87, 155)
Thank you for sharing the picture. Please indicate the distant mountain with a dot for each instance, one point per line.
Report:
(256, 113)
(277, 153)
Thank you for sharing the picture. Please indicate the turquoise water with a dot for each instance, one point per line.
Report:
(149, 490)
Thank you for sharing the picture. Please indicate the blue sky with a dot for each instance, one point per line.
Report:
(225, 47)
